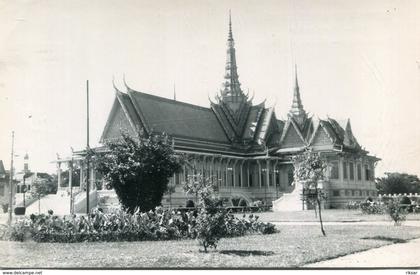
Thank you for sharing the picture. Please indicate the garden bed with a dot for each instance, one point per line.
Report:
(294, 246)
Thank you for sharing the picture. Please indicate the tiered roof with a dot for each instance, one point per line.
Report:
(231, 124)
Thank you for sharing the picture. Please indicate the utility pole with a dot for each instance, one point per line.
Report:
(11, 180)
(87, 149)
(71, 183)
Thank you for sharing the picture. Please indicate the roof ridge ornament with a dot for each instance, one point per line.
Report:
(231, 92)
(113, 84)
(125, 84)
(297, 111)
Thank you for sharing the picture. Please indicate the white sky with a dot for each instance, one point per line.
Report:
(356, 59)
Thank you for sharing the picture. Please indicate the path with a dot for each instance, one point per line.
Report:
(404, 255)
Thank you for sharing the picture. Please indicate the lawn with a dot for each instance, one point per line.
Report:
(328, 215)
(293, 246)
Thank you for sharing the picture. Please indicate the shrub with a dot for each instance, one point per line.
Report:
(5, 207)
(159, 224)
(396, 211)
(372, 208)
(210, 227)
(352, 205)
(213, 222)
(138, 168)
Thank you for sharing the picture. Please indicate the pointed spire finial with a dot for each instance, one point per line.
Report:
(174, 92)
(230, 25)
(231, 92)
(297, 111)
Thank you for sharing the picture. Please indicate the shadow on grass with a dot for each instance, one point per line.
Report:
(383, 238)
(244, 253)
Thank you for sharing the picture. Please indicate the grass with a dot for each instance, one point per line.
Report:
(328, 215)
(293, 246)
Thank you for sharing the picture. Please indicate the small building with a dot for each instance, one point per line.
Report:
(4, 184)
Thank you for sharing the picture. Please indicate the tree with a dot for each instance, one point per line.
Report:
(210, 227)
(395, 183)
(310, 171)
(40, 187)
(138, 169)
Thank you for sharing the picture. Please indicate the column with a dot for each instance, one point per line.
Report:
(81, 175)
(203, 166)
(241, 173)
(247, 173)
(259, 173)
(267, 173)
(184, 172)
(92, 178)
(194, 164)
(220, 171)
(58, 174)
(274, 173)
(234, 172)
(70, 165)
(227, 171)
(212, 170)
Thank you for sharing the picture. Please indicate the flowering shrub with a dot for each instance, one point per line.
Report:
(352, 205)
(396, 211)
(372, 208)
(159, 224)
(214, 222)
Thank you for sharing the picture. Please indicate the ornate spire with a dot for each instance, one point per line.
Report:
(297, 111)
(231, 88)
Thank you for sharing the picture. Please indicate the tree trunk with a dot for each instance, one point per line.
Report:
(320, 218)
(39, 204)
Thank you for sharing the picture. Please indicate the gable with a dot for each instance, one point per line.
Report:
(292, 139)
(321, 138)
(117, 123)
(251, 125)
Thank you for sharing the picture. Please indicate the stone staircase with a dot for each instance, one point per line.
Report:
(108, 200)
(289, 201)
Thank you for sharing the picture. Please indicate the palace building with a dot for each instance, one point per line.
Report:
(243, 146)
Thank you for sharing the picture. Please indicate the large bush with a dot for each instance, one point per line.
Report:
(138, 169)
(397, 211)
(373, 208)
(211, 218)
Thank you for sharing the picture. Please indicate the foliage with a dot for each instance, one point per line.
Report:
(239, 227)
(5, 207)
(138, 169)
(119, 225)
(396, 211)
(211, 219)
(398, 183)
(353, 205)
(310, 171)
(372, 208)
(41, 187)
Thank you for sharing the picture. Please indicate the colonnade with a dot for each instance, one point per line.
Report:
(81, 165)
(259, 176)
